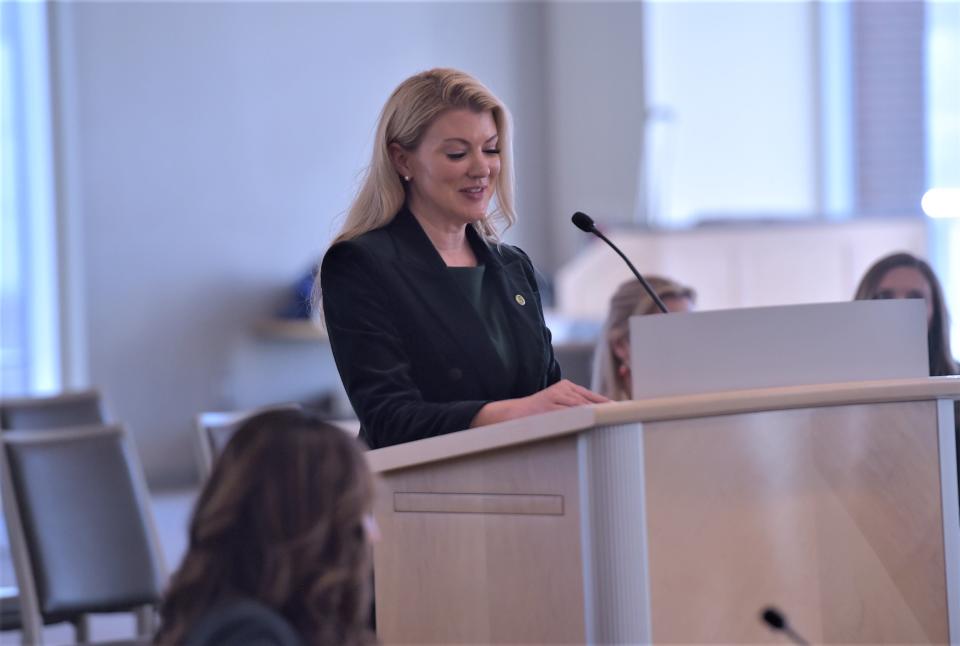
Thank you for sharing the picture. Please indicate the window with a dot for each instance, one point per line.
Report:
(29, 338)
(942, 199)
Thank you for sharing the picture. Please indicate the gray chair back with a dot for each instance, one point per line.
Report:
(80, 408)
(85, 535)
(77, 408)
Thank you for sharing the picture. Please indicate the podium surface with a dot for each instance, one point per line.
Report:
(677, 519)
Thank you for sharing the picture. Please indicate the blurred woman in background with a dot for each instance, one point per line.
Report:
(611, 359)
(902, 275)
(279, 550)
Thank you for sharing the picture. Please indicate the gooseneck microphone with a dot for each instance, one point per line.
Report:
(775, 620)
(585, 223)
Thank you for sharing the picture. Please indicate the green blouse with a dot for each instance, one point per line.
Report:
(482, 294)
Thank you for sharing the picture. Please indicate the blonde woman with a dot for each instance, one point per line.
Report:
(611, 359)
(436, 326)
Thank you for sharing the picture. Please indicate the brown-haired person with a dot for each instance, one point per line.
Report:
(611, 358)
(903, 275)
(279, 551)
(435, 324)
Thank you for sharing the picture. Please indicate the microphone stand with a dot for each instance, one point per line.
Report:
(585, 223)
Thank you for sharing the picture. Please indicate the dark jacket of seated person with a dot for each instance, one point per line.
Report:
(279, 550)
(416, 355)
(242, 621)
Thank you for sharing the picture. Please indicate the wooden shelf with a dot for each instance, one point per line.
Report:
(291, 330)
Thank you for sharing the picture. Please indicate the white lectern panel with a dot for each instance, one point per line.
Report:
(700, 352)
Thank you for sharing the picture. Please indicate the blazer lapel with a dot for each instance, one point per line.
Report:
(420, 263)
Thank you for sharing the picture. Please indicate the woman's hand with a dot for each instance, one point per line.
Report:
(562, 394)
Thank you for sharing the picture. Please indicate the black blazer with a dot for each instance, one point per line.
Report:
(414, 355)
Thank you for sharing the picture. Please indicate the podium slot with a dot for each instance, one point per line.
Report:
(478, 503)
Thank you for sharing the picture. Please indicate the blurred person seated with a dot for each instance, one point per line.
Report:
(902, 275)
(280, 541)
(611, 359)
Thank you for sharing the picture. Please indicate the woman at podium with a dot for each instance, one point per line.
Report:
(435, 324)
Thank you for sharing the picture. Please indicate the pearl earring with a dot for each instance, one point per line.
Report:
(406, 178)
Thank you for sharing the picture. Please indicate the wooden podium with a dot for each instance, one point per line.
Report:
(678, 518)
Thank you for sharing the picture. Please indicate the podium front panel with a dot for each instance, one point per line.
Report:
(831, 514)
(484, 549)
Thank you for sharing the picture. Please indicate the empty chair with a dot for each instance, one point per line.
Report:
(81, 530)
(215, 428)
(78, 408)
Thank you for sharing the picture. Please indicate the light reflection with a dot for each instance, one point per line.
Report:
(941, 203)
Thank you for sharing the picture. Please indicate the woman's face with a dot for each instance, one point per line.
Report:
(678, 304)
(454, 169)
(906, 282)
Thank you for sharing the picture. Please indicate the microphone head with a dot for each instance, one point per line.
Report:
(583, 221)
(773, 618)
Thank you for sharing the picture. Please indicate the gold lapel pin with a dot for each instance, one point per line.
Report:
(520, 299)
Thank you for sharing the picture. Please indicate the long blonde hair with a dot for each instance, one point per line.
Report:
(630, 299)
(404, 120)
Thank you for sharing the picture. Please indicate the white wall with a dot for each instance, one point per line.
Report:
(596, 103)
(215, 146)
